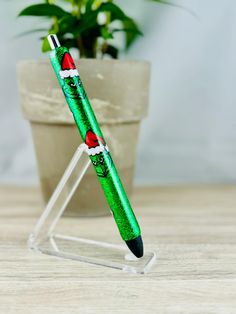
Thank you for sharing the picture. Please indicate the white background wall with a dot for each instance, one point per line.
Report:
(190, 134)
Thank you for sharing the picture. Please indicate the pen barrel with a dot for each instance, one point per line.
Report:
(97, 148)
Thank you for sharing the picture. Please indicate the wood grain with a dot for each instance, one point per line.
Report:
(192, 229)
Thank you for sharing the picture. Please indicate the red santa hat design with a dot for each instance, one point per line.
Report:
(68, 68)
(95, 144)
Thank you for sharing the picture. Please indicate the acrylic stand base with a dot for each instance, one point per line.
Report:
(48, 240)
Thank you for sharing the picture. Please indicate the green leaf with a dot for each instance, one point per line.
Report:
(43, 10)
(112, 51)
(67, 24)
(114, 10)
(89, 5)
(132, 32)
(89, 19)
(31, 31)
(106, 34)
(160, 1)
(87, 22)
(68, 42)
(177, 6)
(45, 45)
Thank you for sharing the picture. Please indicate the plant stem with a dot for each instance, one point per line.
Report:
(78, 10)
(81, 47)
(74, 8)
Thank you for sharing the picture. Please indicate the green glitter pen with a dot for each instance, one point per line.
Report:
(97, 148)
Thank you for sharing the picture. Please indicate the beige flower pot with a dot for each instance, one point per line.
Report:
(118, 91)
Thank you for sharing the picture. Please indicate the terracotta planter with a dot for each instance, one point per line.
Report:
(118, 91)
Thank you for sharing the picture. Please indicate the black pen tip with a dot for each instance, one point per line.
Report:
(136, 246)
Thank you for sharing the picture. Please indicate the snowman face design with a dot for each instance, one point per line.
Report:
(102, 163)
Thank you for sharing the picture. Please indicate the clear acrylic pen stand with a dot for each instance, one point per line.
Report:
(48, 239)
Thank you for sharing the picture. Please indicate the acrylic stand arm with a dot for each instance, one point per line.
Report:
(44, 239)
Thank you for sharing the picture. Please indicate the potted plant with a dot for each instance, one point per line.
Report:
(118, 91)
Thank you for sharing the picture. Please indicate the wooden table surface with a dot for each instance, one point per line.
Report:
(192, 229)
